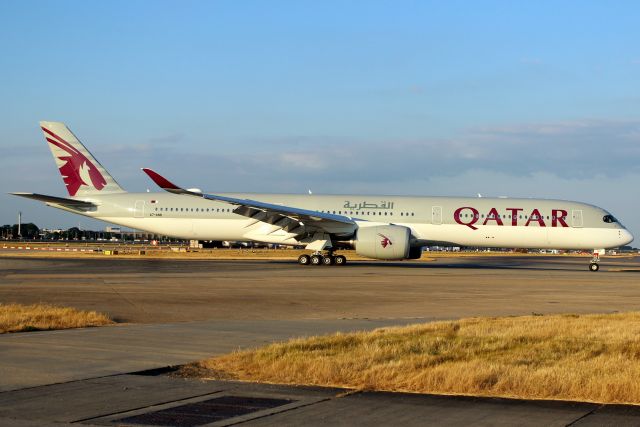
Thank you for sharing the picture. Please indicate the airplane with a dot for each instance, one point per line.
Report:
(378, 227)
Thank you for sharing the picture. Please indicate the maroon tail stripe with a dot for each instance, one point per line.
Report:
(62, 141)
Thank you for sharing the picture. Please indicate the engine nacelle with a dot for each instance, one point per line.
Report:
(415, 252)
(383, 242)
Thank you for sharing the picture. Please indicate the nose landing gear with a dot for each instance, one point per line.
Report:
(593, 265)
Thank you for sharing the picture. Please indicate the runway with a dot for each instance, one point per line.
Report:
(176, 311)
(165, 291)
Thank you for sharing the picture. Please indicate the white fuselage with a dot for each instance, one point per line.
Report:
(489, 222)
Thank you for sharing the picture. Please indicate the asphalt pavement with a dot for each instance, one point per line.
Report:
(174, 312)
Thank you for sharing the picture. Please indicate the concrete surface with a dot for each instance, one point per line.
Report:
(112, 400)
(40, 358)
(188, 310)
(166, 291)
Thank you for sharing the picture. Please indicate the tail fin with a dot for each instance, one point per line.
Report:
(81, 172)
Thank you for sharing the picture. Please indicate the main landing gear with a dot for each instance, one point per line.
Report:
(593, 265)
(319, 259)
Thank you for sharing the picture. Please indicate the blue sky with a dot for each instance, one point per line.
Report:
(530, 99)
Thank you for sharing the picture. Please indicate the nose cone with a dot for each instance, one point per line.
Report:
(626, 237)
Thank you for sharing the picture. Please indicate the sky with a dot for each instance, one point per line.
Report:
(502, 98)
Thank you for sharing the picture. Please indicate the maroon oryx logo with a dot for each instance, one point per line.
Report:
(385, 241)
(77, 169)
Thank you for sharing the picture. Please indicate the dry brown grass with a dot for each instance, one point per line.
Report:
(587, 358)
(38, 317)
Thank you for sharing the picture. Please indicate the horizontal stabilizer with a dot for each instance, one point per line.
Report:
(71, 203)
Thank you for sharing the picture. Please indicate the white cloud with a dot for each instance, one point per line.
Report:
(299, 161)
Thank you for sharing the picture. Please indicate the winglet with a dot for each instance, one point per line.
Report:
(160, 181)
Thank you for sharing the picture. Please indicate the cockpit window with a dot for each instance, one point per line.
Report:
(609, 218)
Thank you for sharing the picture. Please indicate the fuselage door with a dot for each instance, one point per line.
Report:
(576, 218)
(138, 211)
(436, 215)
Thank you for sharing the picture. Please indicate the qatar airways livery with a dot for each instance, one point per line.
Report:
(380, 227)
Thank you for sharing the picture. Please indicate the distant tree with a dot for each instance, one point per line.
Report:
(74, 233)
(28, 231)
(6, 231)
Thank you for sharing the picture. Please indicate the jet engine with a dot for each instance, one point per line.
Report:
(383, 242)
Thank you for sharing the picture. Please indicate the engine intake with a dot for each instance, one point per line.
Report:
(383, 242)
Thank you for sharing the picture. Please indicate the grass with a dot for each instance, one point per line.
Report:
(39, 317)
(570, 357)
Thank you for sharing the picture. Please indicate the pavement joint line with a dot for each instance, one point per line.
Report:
(58, 383)
(81, 379)
(597, 408)
(147, 406)
(348, 393)
(274, 411)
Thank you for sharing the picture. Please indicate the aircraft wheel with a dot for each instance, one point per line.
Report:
(316, 259)
(304, 259)
(594, 266)
(328, 260)
(340, 260)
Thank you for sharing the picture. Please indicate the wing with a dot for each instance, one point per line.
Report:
(293, 220)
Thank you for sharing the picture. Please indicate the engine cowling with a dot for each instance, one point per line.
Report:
(383, 242)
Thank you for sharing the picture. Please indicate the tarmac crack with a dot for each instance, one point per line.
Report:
(585, 415)
(127, 300)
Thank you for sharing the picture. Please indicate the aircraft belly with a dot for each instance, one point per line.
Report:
(186, 228)
(483, 236)
(489, 236)
(518, 237)
(219, 229)
(589, 238)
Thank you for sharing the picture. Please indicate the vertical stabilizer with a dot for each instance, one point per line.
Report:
(81, 172)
